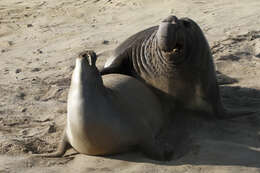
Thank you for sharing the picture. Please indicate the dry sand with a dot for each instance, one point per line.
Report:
(39, 40)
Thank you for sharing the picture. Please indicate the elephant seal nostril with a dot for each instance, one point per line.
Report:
(88, 55)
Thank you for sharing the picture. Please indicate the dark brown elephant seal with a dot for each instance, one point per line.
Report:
(175, 59)
(111, 114)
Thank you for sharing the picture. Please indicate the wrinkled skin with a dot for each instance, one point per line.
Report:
(173, 58)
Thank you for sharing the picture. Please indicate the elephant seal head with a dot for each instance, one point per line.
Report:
(177, 39)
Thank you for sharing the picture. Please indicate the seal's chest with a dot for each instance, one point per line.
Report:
(78, 132)
(197, 101)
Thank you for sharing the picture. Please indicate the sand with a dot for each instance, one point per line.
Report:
(38, 44)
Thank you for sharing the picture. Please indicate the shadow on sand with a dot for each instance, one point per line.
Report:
(196, 141)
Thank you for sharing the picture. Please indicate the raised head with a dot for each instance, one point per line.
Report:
(167, 34)
(177, 38)
(89, 57)
(85, 69)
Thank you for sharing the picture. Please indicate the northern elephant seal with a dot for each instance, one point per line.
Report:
(175, 59)
(111, 114)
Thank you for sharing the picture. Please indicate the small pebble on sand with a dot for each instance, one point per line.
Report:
(18, 70)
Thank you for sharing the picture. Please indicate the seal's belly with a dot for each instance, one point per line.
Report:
(88, 127)
(95, 139)
(98, 129)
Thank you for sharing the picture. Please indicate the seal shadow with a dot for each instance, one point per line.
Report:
(200, 141)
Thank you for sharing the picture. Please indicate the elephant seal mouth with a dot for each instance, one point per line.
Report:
(178, 50)
(176, 55)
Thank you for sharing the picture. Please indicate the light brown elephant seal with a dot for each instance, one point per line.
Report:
(111, 114)
(175, 59)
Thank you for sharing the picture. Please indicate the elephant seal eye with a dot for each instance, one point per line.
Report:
(186, 23)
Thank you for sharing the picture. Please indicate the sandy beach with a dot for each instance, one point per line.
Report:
(39, 40)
